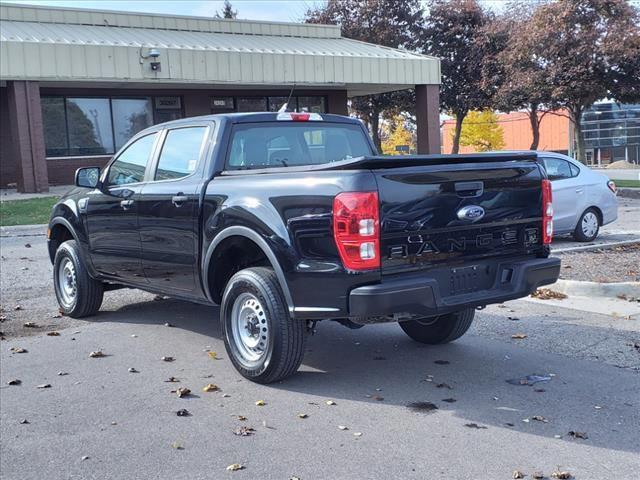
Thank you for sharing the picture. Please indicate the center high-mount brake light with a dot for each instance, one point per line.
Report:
(299, 117)
(356, 224)
(547, 213)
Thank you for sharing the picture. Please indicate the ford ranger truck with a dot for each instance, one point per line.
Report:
(285, 219)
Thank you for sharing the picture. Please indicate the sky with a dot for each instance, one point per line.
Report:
(273, 10)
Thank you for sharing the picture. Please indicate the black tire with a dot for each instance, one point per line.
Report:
(88, 293)
(441, 329)
(258, 290)
(589, 232)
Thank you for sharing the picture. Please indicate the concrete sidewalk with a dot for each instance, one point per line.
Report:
(9, 194)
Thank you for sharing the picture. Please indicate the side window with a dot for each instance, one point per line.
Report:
(574, 170)
(180, 153)
(557, 169)
(130, 165)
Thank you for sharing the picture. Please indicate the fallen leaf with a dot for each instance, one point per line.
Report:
(244, 431)
(27, 245)
(242, 418)
(97, 354)
(53, 334)
(177, 446)
(547, 294)
(18, 350)
(561, 475)
(343, 427)
(225, 395)
(426, 407)
(449, 400)
(86, 457)
(580, 435)
(330, 402)
(210, 388)
(235, 466)
(24, 421)
(62, 374)
(18, 307)
(133, 370)
(475, 425)
(15, 381)
(171, 380)
(519, 336)
(56, 315)
(260, 403)
(183, 412)
(357, 434)
(517, 474)
(167, 359)
(183, 392)
(442, 362)
(444, 385)
(303, 415)
(537, 475)
(44, 385)
(213, 355)
(28, 324)
(540, 418)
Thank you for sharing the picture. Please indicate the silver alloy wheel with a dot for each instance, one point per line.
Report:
(249, 328)
(589, 224)
(67, 282)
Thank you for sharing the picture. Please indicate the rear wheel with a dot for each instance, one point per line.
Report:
(440, 329)
(588, 226)
(263, 342)
(78, 294)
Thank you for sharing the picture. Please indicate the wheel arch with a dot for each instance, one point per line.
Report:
(221, 241)
(60, 230)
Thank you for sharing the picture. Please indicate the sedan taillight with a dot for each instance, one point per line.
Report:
(547, 213)
(356, 224)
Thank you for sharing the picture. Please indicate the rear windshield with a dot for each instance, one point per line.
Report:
(292, 144)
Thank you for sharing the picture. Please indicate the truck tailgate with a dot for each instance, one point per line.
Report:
(442, 214)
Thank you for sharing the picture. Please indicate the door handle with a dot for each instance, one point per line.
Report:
(178, 200)
(579, 190)
(126, 204)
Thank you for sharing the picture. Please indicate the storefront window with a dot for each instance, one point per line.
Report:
(275, 103)
(89, 124)
(311, 104)
(130, 115)
(55, 126)
(252, 104)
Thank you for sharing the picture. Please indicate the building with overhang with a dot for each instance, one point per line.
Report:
(75, 84)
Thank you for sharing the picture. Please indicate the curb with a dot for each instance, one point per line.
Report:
(594, 289)
(627, 192)
(23, 231)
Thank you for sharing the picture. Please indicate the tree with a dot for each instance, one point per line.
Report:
(227, 11)
(481, 131)
(454, 33)
(391, 23)
(589, 50)
(397, 134)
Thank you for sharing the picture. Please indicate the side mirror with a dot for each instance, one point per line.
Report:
(88, 177)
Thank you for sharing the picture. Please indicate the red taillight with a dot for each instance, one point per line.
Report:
(612, 186)
(356, 224)
(547, 213)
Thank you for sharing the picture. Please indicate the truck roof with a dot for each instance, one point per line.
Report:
(251, 117)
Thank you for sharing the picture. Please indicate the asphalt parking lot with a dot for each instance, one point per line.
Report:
(99, 420)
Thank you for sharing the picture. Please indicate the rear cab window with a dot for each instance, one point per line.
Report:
(294, 144)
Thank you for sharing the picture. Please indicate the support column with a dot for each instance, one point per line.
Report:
(337, 102)
(428, 118)
(27, 136)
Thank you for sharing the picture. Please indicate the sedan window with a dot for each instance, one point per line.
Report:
(557, 169)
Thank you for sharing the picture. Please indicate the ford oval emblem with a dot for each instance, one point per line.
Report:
(471, 212)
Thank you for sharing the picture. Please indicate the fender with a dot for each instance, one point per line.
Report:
(264, 246)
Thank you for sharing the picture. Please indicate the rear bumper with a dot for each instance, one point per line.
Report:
(422, 294)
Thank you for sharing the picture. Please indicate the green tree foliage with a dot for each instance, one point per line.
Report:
(391, 23)
(481, 131)
(227, 11)
(454, 32)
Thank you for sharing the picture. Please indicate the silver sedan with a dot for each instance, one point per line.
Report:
(583, 200)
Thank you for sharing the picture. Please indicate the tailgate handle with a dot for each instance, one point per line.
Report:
(469, 189)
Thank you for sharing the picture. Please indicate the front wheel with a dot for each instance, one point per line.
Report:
(263, 342)
(440, 329)
(78, 294)
(588, 226)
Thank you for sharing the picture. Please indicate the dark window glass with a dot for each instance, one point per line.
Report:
(55, 126)
(180, 153)
(574, 170)
(557, 169)
(288, 144)
(89, 123)
(131, 163)
(252, 104)
(311, 104)
(130, 115)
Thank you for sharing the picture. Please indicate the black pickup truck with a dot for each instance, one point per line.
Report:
(285, 219)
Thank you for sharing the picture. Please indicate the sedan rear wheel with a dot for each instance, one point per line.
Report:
(588, 226)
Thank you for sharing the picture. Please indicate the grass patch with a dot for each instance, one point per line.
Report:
(628, 183)
(26, 212)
